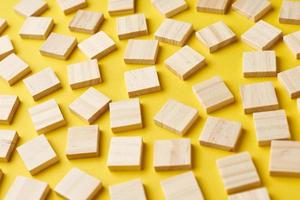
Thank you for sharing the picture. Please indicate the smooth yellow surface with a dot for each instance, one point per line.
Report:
(226, 62)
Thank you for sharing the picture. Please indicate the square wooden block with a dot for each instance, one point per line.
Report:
(125, 153)
(8, 143)
(78, 184)
(213, 6)
(289, 12)
(238, 172)
(169, 8)
(42, 83)
(3, 25)
(125, 115)
(290, 81)
(291, 41)
(37, 154)
(69, 6)
(83, 142)
(185, 62)
(29, 8)
(255, 194)
(6, 47)
(221, 133)
(141, 81)
(258, 97)
(90, 105)
(97, 46)
(118, 7)
(141, 52)
(182, 186)
(262, 35)
(36, 28)
(129, 190)
(9, 104)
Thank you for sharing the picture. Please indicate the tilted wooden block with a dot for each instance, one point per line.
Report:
(118, 7)
(36, 27)
(6, 47)
(289, 12)
(8, 142)
(69, 6)
(213, 6)
(29, 8)
(8, 107)
(3, 25)
(129, 190)
(290, 80)
(169, 8)
(255, 194)
(292, 42)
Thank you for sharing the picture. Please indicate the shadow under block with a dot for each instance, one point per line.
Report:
(213, 94)
(36, 28)
(176, 117)
(6, 47)
(28, 8)
(37, 154)
(119, 7)
(3, 25)
(90, 105)
(125, 153)
(290, 12)
(77, 184)
(128, 190)
(292, 41)
(170, 8)
(255, 194)
(9, 104)
(69, 6)
(290, 81)
(8, 142)
(238, 172)
(213, 6)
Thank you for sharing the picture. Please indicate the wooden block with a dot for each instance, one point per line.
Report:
(90, 105)
(252, 9)
(8, 142)
(8, 107)
(97, 46)
(174, 32)
(262, 35)
(129, 190)
(213, 94)
(292, 42)
(141, 81)
(289, 12)
(131, 26)
(290, 81)
(125, 115)
(185, 62)
(118, 7)
(174, 154)
(255, 194)
(37, 154)
(182, 186)
(258, 97)
(238, 172)
(69, 6)
(13, 69)
(28, 8)
(78, 185)
(221, 133)
(141, 52)
(42, 83)
(259, 64)
(176, 117)
(36, 28)
(58, 46)
(84, 74)
(6, 47)
(213, 6)
(83, 142)
(3, 25)
(27, 188)
(169, 8)
(125, 153)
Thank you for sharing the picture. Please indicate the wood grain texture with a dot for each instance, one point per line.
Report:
(213, 6)
(6, 47)
(8, 143)
(27, 8)
(69, 6)
(290, 12)
(9, 105)
(36, 28)
(290, 81)
(292, 41)
(128, 190)
(255, 194)
(170, 8)
(119, 7)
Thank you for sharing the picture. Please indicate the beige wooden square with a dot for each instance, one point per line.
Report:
(262, 35)
(78, 184)
(29, 8)
(255, 194)
(3, 25)
(8, 143)
(84, 74)
(90, 105)
(289, 12)
(141, 81)
(125, 153)
(37, 154)
(69, 6)
(169, 8)
(83, 142)
(42, 83)
(292, 42)
(290, 81)
(128, 190)
(118, 7)
(259, 97)
(213, 94)
(213, 6)
(141, 52)
(8, 107)
(238, 172)
(185, 62)
(36, 27)
(182, 186)
(6, 47)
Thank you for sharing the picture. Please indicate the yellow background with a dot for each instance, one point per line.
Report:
(226, 62)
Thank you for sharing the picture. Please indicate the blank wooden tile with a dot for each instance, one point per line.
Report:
(69, 6)
(3, 25)
(262, 35)
(258, 97)
(238, 172)
(292, 42)
(213, 6)
(125, 153)
(182, 186)
(169, 8)
(42, 83)
(97, 46)
(289, 12)
(8, 142)
(255, 194)
(8, 107)
(213, 94)
(118, 7)
(128, 190)
(221, 133)
(83, 142)
(6, 47)
(185, 62)
(290, 81)
(36, 27)
(37, 154)
(78, 184)
(29, 8)
(90, 105)
(141, 81)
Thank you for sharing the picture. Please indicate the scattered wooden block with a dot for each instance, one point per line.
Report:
(28, 8)
(238, 172)
(37, 154)
(289, 79)
(36, 28)
(129, 190)
(8, 107)
(83, 142)
(289, 12)
(90, 105)
(69, 6)
(174, 32)
(118, 7)
(141, 81)
(185, 62)
(182, 186)
(6, 47)
(3, 25)
(258, 97)
(141, 52)
(262, 35)
(78, 185)
(97, 46)
(125, 153)
(42, 83)
(255, 194)
(8, 142)
(176, 117)
(213, 6)
(169, 8)
(291, 41)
